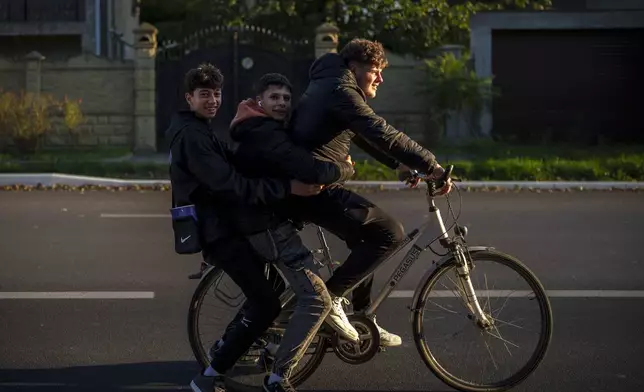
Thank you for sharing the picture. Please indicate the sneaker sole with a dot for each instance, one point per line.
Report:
(390, 344)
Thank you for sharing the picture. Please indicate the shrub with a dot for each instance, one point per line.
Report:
(26, 117)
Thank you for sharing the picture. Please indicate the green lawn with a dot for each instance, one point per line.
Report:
(475, 161)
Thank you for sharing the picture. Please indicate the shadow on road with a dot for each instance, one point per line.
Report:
(146, 376)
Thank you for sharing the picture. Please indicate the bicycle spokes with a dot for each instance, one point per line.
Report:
(482, 325)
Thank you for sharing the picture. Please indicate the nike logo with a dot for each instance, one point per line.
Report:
(185, 239)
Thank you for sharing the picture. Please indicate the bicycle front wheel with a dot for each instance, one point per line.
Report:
(521, 332)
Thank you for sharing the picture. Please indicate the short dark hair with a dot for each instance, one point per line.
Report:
(272, 79)
(205, 75)
(364, 51)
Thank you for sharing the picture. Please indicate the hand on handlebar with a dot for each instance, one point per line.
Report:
(437, 174)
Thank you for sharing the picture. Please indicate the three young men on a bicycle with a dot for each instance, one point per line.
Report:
(239, 234)
(331, 113)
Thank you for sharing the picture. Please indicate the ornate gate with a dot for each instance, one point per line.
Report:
(242, 53)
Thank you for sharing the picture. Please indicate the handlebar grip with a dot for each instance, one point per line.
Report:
(442, 181)
(448, 173)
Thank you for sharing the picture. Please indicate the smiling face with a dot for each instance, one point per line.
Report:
(205, 101)
(276, 101)
(203, 90)
(368, 77)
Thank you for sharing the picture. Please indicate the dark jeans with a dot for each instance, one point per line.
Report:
(282, 247)
(236, 257)
(370, 233)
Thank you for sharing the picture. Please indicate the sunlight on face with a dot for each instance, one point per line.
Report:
(205, 101)
(276, 101)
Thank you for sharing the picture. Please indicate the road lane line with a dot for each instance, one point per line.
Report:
(394, 294)
(77, 295)
(117, 216)
(523, 293)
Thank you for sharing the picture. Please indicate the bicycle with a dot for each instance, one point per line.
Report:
(459, 258)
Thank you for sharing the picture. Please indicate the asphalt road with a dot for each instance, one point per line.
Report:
(54, 242)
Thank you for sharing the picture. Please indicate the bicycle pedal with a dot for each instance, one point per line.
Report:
(381, 349)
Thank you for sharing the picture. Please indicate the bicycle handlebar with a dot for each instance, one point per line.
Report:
(432, 185)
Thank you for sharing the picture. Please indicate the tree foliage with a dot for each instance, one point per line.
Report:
(403, 26)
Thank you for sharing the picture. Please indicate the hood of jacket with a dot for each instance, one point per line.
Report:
(331, 66)
(248, 108)
(183, 119)
(248, 118)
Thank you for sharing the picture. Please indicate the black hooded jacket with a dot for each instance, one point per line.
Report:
(265, 149)
(201, 173)
(333, 111)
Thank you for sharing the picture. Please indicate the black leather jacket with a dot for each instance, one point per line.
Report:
(333, 111)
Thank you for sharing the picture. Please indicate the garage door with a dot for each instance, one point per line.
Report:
(570, 85)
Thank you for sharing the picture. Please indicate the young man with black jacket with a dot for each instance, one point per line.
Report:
(331, 114)
(202, 174)
(265, 149)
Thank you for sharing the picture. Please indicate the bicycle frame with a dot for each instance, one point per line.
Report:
(420, 234)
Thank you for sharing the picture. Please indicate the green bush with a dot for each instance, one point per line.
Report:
(624, 167)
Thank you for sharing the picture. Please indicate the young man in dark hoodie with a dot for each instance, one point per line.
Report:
(201, 174)
(265, 149)
(331, 114)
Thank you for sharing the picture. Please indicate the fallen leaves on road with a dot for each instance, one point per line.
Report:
(166, 188)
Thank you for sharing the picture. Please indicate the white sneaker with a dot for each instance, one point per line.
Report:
(387, 339)
(338, 320)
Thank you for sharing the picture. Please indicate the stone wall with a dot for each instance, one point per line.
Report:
(104, 86)
(12, 75)
(117, 96)
(400, 99)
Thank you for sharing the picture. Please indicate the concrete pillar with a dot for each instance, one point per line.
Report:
(145, 46)
(457, 127)
(481, 49)
(33, 63)
(326, 39)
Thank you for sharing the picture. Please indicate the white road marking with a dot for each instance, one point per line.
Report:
(394, 294)
(135, 215)
(523, 293)
(77, 295)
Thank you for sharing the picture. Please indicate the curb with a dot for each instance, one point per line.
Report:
(52, 179)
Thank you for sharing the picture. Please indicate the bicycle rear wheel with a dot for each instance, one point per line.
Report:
(215, 302)
(443, 296)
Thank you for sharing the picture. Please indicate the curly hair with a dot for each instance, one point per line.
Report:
(364, 51)
(272, 79)
(205, 75)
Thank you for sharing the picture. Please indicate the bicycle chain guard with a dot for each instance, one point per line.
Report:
(369, 346)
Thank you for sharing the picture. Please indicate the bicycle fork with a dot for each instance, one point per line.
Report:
(478, 315)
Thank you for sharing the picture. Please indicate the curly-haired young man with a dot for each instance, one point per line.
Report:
(331, 114)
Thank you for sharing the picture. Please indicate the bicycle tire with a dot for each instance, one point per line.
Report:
(541, 348)
(199, 351)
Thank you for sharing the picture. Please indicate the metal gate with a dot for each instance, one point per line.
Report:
(243, 54)
(575, 86)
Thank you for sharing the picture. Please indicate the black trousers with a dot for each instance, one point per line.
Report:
(242, 264)
(369, 232)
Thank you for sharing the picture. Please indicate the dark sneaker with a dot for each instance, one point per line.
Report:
(202, 383)
(282, 386)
